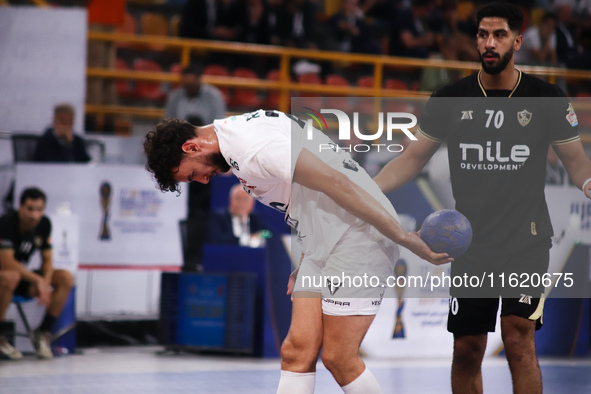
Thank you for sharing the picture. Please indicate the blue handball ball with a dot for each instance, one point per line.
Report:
(447, 231)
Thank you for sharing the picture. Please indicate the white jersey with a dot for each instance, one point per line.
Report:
(262, 148)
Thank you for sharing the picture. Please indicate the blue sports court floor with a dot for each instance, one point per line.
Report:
(141, 370)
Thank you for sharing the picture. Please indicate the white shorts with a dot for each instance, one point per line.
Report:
(353, 279)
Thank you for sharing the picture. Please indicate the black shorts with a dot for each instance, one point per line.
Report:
(22, 289)
(473, 316)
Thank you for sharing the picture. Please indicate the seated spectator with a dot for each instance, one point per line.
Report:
(301, 24)
(237, 225)
(539, 43)
(22, 232)
(457, 40)
(211, 19)
(349, 30)
(59, 143)
(569, 50)
(195, 100)
(415, 32)
(255, 24)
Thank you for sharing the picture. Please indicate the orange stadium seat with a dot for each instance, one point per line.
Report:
(313, 100)
(366, 104)
(122, 86)
(245, 97)
(176, 68)
(148, 89)
(273, 96)
(338, 101)
(396, 104)
(219, 71)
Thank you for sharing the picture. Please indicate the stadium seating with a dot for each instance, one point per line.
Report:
(246, 98)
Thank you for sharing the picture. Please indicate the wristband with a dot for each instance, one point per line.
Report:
(583, 188)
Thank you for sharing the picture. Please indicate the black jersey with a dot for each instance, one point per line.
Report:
(497, 145)
(23, 244)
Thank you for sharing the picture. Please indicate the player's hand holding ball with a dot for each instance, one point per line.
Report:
(447, 231)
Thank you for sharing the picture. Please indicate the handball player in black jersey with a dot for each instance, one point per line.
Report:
(23, 232)
(497, 145)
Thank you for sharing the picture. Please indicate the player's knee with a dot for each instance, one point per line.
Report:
(9, 279)
(299, 351)
(469, 350)
(63, 279)
(334, 360)
(518, 339)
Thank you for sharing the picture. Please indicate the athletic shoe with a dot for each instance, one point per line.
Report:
(7, 351)
(42, 342)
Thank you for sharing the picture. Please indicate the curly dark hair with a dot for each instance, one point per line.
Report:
(163, 149)
(505, 10)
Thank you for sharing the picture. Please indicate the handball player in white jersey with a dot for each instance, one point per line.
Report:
(345, 224)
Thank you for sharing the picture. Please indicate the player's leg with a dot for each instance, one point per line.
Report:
(350, 307)
(466, 367)
(62, 282)
(520, 349)
(340, 354)
(300, 349)
(519, 321)
(9, 281)
(470, 319)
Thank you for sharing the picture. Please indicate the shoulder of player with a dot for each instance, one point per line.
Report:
(536, 87)
(8, 219)
(44, 225)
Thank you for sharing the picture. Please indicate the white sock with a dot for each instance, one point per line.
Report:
(296, 382)
(365, 383)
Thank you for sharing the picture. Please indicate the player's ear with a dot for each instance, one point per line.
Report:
(518, 42)
(190, 146)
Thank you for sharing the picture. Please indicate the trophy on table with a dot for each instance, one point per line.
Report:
(105, 195)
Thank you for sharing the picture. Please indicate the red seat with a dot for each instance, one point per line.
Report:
(338, 101)
(310, 99)
(396, 104)
(122, 86)
(219, 71)
(148, 89)
(366, 105)
(176, 68)
(245, 97)
(273, 96)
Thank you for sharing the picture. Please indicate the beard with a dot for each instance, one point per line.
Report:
(500, 66)
(218, 161)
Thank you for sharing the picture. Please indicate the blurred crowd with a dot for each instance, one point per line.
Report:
(418, 28)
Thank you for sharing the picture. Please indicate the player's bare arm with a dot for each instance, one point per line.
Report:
(8, 262)
(408, 165)
(313, 173)
(577, 164)
(47, 265)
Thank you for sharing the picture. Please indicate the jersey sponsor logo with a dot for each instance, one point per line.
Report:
(571, 116)
(480, 157)
(467, 115)
(333, 287)
(524, 117)
(245, 185)
(350, 164)
(26, 247)
(234, 164)
(336, 302)
(525, 299)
